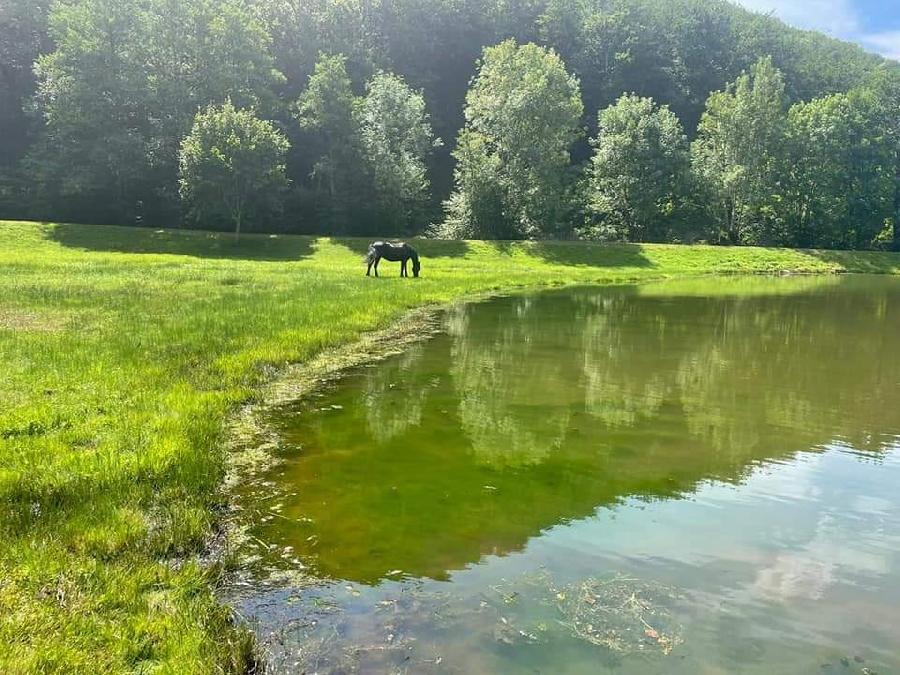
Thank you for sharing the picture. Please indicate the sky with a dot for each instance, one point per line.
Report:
(875, 24)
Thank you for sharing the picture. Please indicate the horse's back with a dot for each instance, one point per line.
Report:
(390, 250)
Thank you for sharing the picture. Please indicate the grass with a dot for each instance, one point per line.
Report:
(124, 351)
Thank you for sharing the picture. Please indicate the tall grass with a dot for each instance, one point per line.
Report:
(122, 353)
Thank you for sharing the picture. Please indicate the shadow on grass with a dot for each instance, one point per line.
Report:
(862, 262)
(442, 248)
(427, 248)
(504, 246)
(590, 254)
(195, 243)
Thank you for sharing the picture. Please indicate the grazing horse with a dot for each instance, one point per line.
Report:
(401, 253)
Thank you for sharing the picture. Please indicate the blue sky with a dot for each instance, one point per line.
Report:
(875, 24)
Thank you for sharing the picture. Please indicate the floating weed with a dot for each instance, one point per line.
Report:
(623, 614)
(340, 629)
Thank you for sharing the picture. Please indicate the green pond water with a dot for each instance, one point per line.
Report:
(687, 477)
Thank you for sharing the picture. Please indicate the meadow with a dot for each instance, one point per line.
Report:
(123, 353)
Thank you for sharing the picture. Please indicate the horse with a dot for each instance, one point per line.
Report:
(400, 252)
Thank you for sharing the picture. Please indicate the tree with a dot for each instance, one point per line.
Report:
(522, 114)
(477, 208)
(884, 85)
(396, 139)
(639, 169)
(326, 110)
(839, 173)
(231, 161)
(117, 85)
(737, 153)
(368, 150)
(23, 25)
(120, 91)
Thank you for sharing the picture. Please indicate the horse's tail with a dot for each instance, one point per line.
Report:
(370, 256)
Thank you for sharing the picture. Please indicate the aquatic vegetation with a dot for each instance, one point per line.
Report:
(624, 615)
(337, 629)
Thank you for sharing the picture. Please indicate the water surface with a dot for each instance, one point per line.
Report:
(690, 477)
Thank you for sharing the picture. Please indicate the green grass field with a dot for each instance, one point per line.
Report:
(123, 352)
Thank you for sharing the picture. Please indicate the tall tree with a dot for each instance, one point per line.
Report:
(884, 84)
(396, 139)
(839, 174)
(639, 170)
(120, 90)
(23, 36)
(522, 114)
(737, 153)
(23, 27)
(232, 164)
(121, 81)
(326, 110)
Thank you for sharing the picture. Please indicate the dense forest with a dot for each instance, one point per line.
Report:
(643, 120)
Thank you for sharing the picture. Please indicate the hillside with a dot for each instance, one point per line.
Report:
(676, 51)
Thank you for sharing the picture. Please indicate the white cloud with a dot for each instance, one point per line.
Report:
(886, 44)
(837, 18)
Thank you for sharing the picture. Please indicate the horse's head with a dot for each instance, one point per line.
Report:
(416, 265)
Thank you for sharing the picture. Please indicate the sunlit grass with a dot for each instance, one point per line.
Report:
(123, 352)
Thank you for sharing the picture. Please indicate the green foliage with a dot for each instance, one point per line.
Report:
(120, 90)
(477, 207)
(522, 114)
(738, 153)
(232, 161)
(23, 27)
(884, 85)
(823, 174)
(117, 85)
(639, 171)
(678, 51)
(371, 150)
(840, 188)
(396, 138)
(326, 109)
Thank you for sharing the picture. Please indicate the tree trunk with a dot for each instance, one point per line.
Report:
(331, 175)
(237, 224)
(730, 225)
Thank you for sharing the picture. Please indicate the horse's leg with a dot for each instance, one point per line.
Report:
(369, 268)
(403, 267)
(377, 260)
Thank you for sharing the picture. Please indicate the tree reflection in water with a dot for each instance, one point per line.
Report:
(532, 411)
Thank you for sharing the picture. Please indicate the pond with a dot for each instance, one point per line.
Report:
(687, 477)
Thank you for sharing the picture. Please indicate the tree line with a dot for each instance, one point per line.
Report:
(643, 120)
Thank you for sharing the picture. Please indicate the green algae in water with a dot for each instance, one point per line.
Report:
(675, 478)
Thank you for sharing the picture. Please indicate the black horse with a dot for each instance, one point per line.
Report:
(401, 253)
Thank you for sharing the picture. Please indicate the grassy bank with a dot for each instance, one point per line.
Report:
(123, 352)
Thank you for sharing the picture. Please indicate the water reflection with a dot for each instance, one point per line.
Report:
(392, 409)
(511, 405)
(723, 454)
(531, 411)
